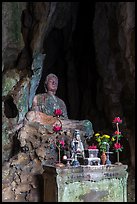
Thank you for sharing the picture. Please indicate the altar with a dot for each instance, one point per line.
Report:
(72, 168)
(85, 183)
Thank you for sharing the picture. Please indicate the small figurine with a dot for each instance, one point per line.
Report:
(77, 148)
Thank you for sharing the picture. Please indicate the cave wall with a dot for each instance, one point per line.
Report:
(114, 37)
(21, 73)
(12, 41)
(89, 46)
(12, 44)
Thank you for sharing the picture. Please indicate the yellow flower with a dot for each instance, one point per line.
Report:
(98, 140)
(97, 134)
(106, 136)
(113, 139)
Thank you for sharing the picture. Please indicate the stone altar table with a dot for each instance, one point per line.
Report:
(86, 183)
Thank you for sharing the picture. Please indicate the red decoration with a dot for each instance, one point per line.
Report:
(57, 128)
(58, 112)
(92, 147)
(117, 120)
(117, 133)
(62, 143)
(117, 146)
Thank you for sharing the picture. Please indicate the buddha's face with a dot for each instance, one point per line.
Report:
(52, 84)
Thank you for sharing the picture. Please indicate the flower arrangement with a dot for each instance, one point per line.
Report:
(103, 140)
(57, 141)
(117, 134)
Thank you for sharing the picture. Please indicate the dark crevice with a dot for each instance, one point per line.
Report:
(15, 146)
(10, 108)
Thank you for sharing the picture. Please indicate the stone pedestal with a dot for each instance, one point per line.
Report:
(85, 183)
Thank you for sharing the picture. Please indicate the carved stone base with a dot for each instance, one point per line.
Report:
(100, 183)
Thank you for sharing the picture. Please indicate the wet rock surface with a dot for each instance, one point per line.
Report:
(21, 180)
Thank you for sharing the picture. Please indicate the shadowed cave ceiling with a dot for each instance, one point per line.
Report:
(89, 46)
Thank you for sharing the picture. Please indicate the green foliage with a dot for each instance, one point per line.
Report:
(102, 140)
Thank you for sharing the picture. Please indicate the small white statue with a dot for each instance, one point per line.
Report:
(77, 148)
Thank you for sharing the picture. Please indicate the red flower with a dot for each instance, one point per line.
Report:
(58, 112)
(117, 120)
(92, 147)
(62, 143)
(117, 133)
(117, 146)
(57, 128)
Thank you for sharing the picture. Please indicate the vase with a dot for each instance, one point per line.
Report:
(103, 158)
